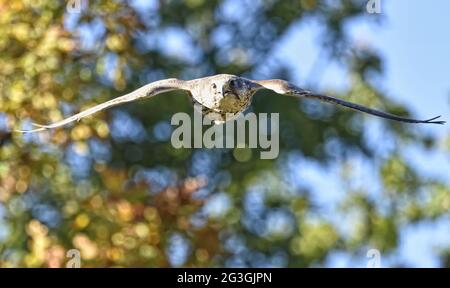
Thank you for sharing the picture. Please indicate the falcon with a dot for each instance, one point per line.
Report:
(222, 96)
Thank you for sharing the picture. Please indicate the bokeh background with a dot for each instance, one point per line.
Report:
(113, 187)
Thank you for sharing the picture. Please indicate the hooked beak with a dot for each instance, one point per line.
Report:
(239, 89)
(227, 90)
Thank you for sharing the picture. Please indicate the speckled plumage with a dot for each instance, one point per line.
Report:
(222, 97)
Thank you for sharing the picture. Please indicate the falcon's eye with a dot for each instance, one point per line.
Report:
(233, 83)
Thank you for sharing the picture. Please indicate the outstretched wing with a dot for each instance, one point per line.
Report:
(148, 90)
(283, 87)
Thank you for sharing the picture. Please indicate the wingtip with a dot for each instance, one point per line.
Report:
(29, 131)
(431, 121)
(40, 128)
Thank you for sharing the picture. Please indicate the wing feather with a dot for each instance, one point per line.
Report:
(148, 90)
(284, 87)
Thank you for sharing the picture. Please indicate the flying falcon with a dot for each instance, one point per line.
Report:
(221, 96)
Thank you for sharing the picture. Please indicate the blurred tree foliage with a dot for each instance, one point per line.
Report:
(112, 185)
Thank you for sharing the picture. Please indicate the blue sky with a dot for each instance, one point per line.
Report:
(415, 45)
(414, 42)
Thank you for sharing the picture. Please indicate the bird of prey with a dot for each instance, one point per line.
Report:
(222, 95)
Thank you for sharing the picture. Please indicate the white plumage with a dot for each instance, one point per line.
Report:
(222, 95)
